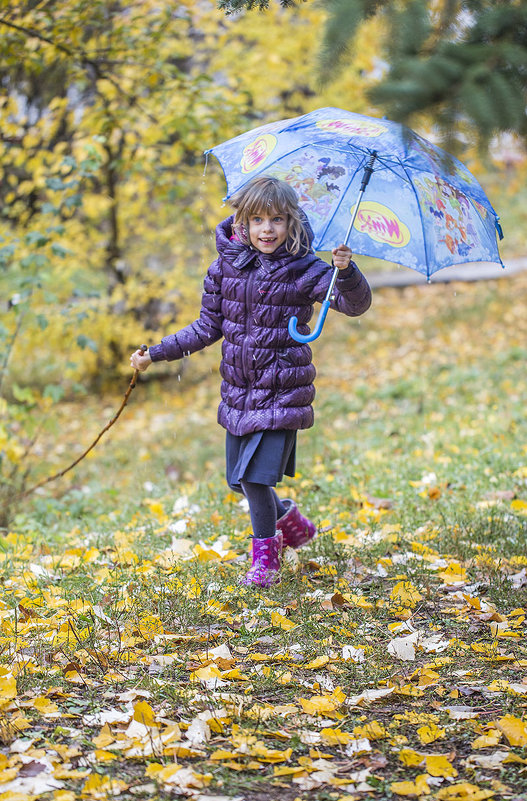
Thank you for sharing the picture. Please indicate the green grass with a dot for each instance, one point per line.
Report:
(420, 408)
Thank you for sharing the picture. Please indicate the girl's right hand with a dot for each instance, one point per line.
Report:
(342, 256)
(140, 361)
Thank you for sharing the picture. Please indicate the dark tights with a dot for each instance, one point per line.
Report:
(265, 507)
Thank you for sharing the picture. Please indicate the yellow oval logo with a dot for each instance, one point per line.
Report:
(381, 224)
(353, 127)
(257, 151)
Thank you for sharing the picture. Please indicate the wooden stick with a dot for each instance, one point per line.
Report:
(108, 425)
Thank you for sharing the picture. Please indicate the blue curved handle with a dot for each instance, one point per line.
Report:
(317, 329)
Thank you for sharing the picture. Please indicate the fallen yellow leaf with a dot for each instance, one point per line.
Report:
(488, 740)
(417, 788)
(264, 754)
(7, 687)
(279, 621)
(430, 733)
(45, 706)
(157, 771)
(335, 737)
(155, 507)
(150, 626)
(144, 714)
(373, 730)
(285, 771)
(222, 753)
(438, 765)
(427, 677)
(100, 787)
(104, 738)
(453, 574)
(514, 729)
(405, 594)
(64, 795)
(411, 758)
(463, 792)
(323, 704)
(205, 673)
(8, 775)
(319, 662)
(104, 756)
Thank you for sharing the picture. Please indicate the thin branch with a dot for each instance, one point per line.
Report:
(37, 35)
(81, 58)
(93, 444)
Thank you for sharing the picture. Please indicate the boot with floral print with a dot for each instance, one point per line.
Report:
(267, 554)
(296, 529)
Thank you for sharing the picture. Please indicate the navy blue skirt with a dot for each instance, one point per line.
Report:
(262, 458)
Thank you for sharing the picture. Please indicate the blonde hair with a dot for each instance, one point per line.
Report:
(267, 195)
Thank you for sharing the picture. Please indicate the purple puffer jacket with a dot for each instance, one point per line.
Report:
(248, 299)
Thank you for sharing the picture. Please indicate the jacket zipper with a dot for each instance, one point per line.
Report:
(248, 318)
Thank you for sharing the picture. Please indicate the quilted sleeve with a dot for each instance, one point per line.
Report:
(203, 331)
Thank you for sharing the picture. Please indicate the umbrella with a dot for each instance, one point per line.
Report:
(422, 207)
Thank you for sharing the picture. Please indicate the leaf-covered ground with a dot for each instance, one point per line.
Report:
(391, 660)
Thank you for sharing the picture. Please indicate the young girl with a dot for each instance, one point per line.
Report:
(265, 272)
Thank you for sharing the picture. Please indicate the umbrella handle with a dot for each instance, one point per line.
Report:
(315, 333)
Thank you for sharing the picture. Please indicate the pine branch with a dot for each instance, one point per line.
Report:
(480, 77)
(413, 27)
(344, 18)
(235, 6)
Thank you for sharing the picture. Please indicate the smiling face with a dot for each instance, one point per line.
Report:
(267, 216)
(267, 231)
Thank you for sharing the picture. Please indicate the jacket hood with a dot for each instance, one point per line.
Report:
(239, 254)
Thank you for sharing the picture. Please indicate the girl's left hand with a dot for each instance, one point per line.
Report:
(341, 256)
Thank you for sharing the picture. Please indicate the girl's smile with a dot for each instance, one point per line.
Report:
(267, 232)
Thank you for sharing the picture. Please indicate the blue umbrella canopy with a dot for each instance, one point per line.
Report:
(422, 208)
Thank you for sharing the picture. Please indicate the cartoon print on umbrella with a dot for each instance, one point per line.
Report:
(381, 224)
(450, 210)
(318, 182)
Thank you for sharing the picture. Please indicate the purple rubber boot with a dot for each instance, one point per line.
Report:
(296, 529)
(267, 555)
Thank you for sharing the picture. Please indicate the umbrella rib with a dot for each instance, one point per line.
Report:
(428, 273)
(389, 166)
(323, 234)
(365, 153)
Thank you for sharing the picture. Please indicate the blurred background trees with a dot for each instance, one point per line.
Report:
(101, 120)
(107, 108)
(107, 219)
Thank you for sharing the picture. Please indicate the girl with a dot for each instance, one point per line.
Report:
(265, 272)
